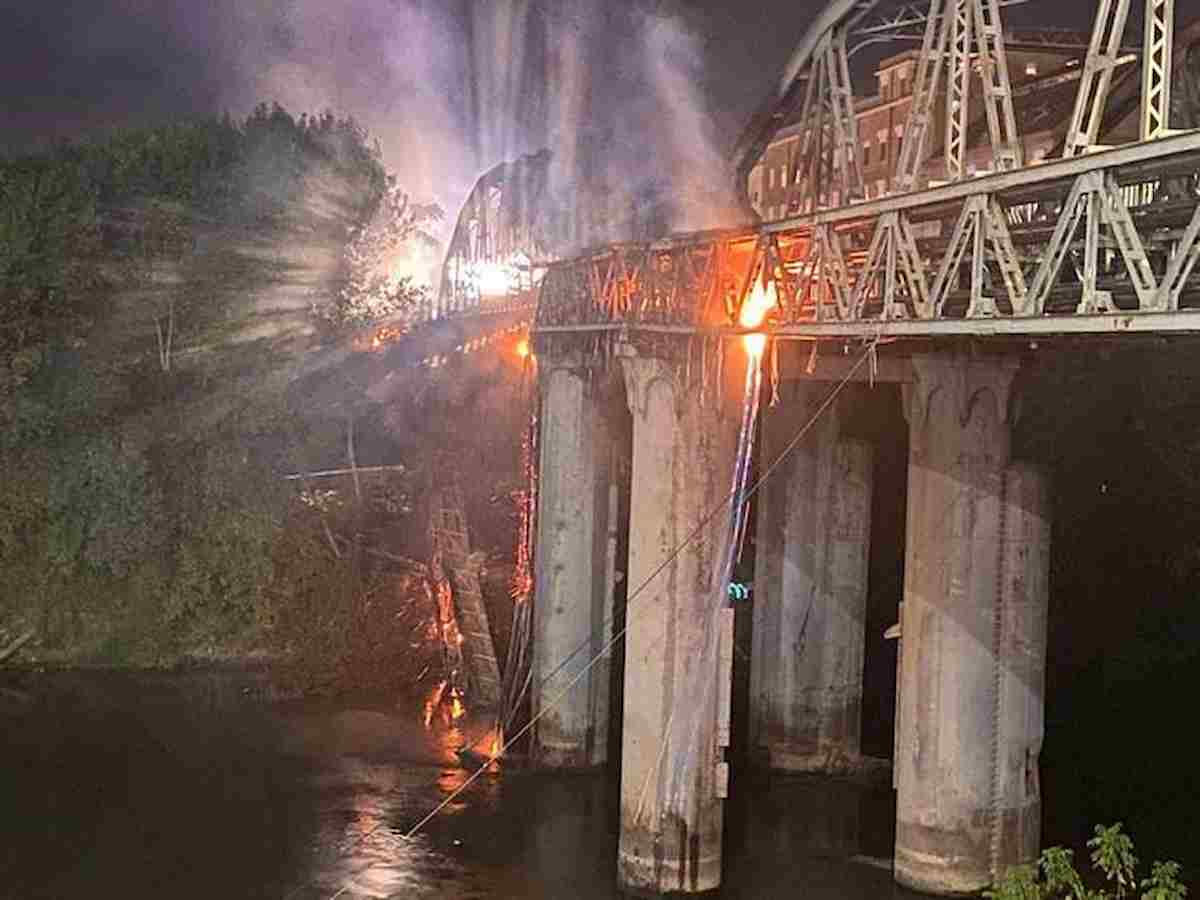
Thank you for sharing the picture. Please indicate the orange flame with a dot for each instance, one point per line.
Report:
(457, 709)
(754, 312)
(380, 338)
(433, 701)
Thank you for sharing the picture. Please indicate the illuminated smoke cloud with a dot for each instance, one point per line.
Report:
(451, 89)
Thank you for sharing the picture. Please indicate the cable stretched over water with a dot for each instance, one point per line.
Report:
(670, 558)
(688, 736)
(617, 636)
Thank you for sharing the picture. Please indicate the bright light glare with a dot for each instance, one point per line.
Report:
(754, 311)
(494, 280)
(523, 348)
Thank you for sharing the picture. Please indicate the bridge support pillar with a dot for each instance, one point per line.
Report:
(571, 608)
(973, 634)
(813, 534)
(683, 463)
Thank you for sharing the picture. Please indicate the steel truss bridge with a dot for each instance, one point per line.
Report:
(1099, 240)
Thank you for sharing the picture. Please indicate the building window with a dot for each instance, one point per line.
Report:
(770, 178)
(885, 85)
(880, 188)
(866, 153)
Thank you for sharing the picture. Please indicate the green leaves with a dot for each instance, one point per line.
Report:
(1059, 875)
(1111, 855)
(145, 513)
(1018, 883)
(1163, 883)
(102, 509)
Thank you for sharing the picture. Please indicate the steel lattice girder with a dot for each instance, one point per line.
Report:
(1157, 68)
(1103, 56)
(1146, 254)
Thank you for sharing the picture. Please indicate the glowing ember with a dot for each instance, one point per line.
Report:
(754, 311)
(457, 708)
(523, 348)
(433, 701)
(388, 334)
(497, 746)
(522, 580)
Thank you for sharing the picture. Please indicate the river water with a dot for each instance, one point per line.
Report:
(203, 785)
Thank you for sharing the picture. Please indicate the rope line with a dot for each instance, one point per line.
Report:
(670, 558)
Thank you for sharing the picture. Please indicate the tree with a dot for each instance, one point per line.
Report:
(164, 240)
(376, 285)
(48, 244)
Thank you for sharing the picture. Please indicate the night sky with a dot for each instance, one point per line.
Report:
(417, 72)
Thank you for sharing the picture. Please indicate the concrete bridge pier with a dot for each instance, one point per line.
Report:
(684, 446)
(973, 633)
(572, 602)
(813, 533)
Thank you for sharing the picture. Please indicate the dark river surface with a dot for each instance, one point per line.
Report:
(200, 785)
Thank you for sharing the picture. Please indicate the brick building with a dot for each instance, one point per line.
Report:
(1044, 71)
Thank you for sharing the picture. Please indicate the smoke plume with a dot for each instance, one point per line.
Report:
(612, 89)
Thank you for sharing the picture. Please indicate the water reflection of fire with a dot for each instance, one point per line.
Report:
(447, 700)
(433, 702)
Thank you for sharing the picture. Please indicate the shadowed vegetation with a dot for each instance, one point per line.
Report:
(161, 293)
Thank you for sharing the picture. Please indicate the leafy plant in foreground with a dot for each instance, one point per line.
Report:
(1054, 876)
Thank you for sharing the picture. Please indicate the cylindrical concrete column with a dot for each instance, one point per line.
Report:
(976, 542)
(570, 609)
(683, 463)
(814, 524)
(1021, 637)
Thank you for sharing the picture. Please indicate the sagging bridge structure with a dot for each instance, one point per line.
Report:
(942, 287)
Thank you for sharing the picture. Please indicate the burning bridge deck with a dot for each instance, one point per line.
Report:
(1095, 244)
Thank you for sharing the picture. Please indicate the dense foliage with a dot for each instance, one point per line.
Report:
(1054, 876)
(155, 287)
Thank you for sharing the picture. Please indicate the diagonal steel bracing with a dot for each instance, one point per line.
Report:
(828, 169)
(947, 260)
(1103, 56)
(1103, 240)
(1157, 68)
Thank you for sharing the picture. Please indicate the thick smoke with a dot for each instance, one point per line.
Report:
(612, 89)
(396, 67)
(629, 126)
